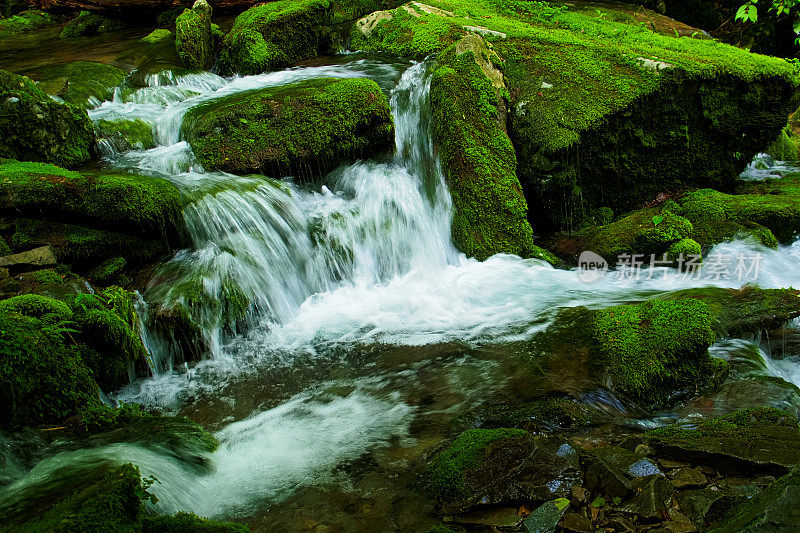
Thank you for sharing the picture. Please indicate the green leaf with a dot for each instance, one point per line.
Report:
(599, 502)
(658, 219)
(561, 503)
(617, 500)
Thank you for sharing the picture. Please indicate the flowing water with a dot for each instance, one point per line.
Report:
(366, 333)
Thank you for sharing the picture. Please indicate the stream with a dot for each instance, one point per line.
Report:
(368, 335)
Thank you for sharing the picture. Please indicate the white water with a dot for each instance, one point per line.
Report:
(366, 260)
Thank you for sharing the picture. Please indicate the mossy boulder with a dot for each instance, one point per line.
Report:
(81, 83)
(24, 22)
(275, 35)
(786, 147)
(300, 128)
(497, 466)
(88, 23)
(123, 135)
(34, 127)
(102, 497)
(764, 439)
(160, 35)
(469, 108)
(193, 40)
(138, 205)
(645, 353)
(605, 113)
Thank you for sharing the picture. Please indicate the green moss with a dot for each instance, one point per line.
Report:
(5, 249)
(43, 308)
(158, 36)
(48, 276)
(349, 10)
(136, 204)
(81, 83)
(126, 134)
(648, 350)
(302, 127)
(109, 270)
(786, 147)
(718, 216)
(193, 40)
(87, 23)
(24, 22)
(684, 248)
(42, 378)
(275, 35)
(33, 127)
(444, 475)
(478, 161)
(189, 522)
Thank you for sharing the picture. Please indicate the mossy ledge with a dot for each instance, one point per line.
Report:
(303, 128)
(606, 113)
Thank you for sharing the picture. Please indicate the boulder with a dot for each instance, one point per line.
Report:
(81, 83)
(87, 24)
(502, 466)
(763, 439)
(123, 135)
(302, 128)
(34, 127)
(606, 112)
(24, 22)
(31, 260)
(469, 109)
(193, 40)
(275, 35)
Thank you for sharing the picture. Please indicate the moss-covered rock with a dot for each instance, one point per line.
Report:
(123, 135)
(469, 108)
(131, 203)
(764, 438)
(644, 353)
(193, 40)
(34, 127)
(160, 35)
(275, 35)
(302, 128)
(87, 24)
(24, 22)
(497, 466)
(81, 83)
(42, 378)
(102, 497)
(606, 113)
(786, 147)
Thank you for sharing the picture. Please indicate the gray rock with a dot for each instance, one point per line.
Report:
(31, 260)
(545, 518)
(688, 478)
(653, 495)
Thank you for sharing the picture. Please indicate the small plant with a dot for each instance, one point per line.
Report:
(658, 219)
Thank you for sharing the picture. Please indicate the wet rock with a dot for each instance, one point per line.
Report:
(773, 509)
(87, 24)
(545, 518)
(503, 518)
(300, 129)
(25, 22)
(31, 260)
(34, 127)
(81, 83)
(603, 473)
(576, 523)
(580, 494)
(688, 478)
(275, 35)
(763, 438)
(500, 466)
(124, 135)
(652, 499)
(193, 40)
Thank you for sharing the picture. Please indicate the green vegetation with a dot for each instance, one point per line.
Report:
(193, 40)
(36, 128)
(24, 22)
(158, 36)
(87, 23)
(301, 128)
(137, 204)
(444, 475)
(81, 83)
(478, 158)
(275, 35)
(786, 147)
(650, 349)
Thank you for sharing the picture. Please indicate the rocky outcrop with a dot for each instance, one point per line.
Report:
(34, 127)
(81, 83)
(87, 24)
(193, 40)
(275, 35)
(302, 128)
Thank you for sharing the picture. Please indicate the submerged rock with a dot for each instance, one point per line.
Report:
(193, 40)
(275, 35)
(469, 109)
(304, 128)
(501, 466)
(123, 135)
(81, 83)
(34, 127)
(764, 438)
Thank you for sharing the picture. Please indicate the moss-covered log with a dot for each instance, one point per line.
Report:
(303, 128)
